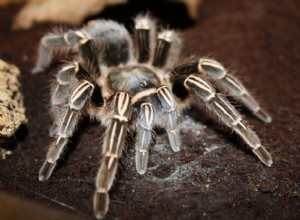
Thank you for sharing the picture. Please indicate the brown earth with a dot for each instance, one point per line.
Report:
(214, 176)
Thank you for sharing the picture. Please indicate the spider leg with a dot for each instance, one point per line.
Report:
(112, 42)
(64, 78)
(89, 53)
(227, 82)
(144, 137)
(68, 74)
(68, 119)
(168, 104)
(54, 41)
(167, 49)
(227, 114)
(113, 145)
(144, 35)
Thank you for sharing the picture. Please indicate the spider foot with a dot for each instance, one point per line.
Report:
(141, 161)
(264, 116)
(263, 155)
(46, 170)
(37, 70)
(101, 202)
(174, 140)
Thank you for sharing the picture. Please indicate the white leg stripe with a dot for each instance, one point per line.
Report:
(50, 160)
(112, 157)
(119, 139)
(167, 96)
(63, 134)
(212, 63)
(243, 125)
(242, 90)
(58, 139)
(120, 118)
(149, 113)
(123, 103)
(209, 97)
(146, 127)
(56, 89)
(112, 136)
(173, 131)
(66, 38)
(102, 190)
(199, 83)
(143, 152)
(224, 111)
(125, 106)
(236, 122)
(256, 146)
(69, 120)
(65, 68)
(83, 39)
(80, 89)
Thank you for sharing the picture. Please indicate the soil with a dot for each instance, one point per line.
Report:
(214, 176)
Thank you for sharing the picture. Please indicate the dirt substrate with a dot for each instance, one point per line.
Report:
(214, 176)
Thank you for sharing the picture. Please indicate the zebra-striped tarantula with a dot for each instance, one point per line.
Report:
(135, 84)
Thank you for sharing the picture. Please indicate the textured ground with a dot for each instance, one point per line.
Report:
(214, 176)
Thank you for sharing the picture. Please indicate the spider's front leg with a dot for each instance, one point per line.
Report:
(113, 145)
(226, 81)
(54, 41)
(222, 108)
(67, 119)
(144, 136)
(168, 104)
(161, 110)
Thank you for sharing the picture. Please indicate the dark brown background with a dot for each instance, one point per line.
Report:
(258, 39)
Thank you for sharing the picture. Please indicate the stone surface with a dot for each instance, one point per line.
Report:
(12, 111)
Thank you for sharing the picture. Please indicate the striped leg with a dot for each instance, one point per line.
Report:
(167, 49)
(89, 52)
(64, 78)
(168, 103)
(68, 75)
(144, 137)
(113, 145)
(227, 115)
(144, 36)
(228, 82)
(54, 41)
(68, 121)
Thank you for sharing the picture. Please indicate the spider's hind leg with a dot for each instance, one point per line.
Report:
(112, 42)
(226, 113)
(167, 50)
(233, 86)
(144, 38)
(226, 81)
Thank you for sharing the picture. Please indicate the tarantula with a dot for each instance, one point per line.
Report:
(134, 84)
